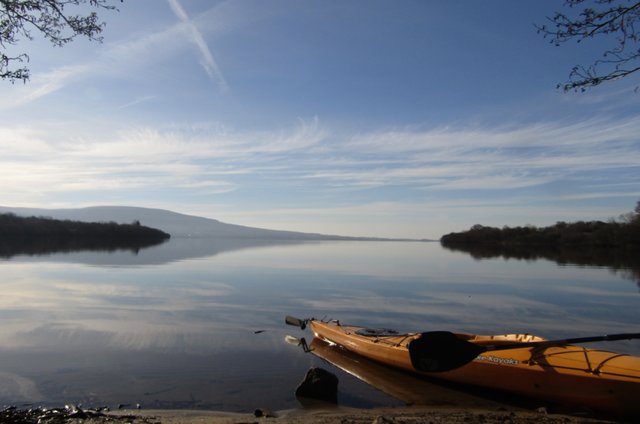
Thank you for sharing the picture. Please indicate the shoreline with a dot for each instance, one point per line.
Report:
(344, 415)
(321, 414)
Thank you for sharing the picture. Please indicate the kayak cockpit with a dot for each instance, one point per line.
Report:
(378, 332)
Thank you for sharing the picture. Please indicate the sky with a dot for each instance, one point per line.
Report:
(363, 118)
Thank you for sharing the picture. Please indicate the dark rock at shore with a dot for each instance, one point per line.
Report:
(13, 415)
(319, 384)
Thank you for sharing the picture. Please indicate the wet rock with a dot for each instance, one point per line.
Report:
(263, 413)
(70, 413)
(319, 384)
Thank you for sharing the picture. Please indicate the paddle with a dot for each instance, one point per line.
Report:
(439, 351)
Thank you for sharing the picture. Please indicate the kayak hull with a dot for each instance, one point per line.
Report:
(570, 376)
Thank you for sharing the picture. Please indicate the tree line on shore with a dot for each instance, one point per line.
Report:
(38, 235)
(613, 244)
(623, 234)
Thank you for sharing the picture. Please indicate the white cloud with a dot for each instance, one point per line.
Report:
(22, 140)
(44, 84)
(494, 182)
(472, 159)
(496, 157)
(309, 162)
(40, 160)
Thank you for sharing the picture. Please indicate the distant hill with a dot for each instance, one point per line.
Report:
(176, 224)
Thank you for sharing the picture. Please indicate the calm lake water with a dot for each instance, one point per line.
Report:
(197, 323)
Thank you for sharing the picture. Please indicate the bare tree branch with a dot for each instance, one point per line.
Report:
(613, 20)
(49, 18)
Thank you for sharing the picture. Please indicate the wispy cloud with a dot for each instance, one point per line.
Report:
(491, 159)
(44, 84)
(406, 170)
(206, 57)
(495, 158)
(124, 57)
(137, 101)
(141, 159)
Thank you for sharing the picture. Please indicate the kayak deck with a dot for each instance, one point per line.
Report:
(570, 375)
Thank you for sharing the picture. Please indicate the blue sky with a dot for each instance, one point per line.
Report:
(381, 118)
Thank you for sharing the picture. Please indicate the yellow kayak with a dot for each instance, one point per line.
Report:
(567, 375)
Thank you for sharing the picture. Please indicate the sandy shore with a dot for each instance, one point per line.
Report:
(317, 415)
(348, 416)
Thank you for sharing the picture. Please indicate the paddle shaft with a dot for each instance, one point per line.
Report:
(439, 351)
(577, 340)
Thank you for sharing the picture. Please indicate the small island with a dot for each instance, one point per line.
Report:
(41, 235)
(614, 244)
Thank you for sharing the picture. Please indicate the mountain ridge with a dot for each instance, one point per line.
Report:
(178, 224)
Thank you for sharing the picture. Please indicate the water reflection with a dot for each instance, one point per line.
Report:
(19, 246)
(175, 325)
(410, 389)
(624, 262)
(175, 249)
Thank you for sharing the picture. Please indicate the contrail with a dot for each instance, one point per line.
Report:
(207, 61)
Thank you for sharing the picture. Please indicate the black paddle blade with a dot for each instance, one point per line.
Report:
(440, 351)
(296, 322)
